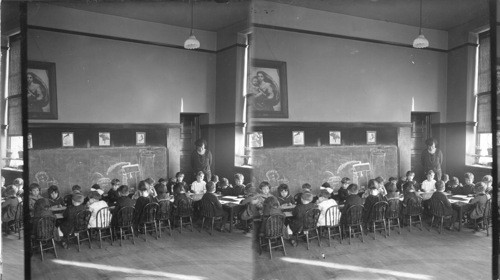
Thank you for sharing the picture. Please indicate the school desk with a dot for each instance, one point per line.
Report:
(232, 205)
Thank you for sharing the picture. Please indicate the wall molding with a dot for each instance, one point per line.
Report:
(346, 37)
(330, 124)
(102, 125)
(466, 123)
(222, 125)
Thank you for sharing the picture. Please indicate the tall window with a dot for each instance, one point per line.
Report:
(483, 102)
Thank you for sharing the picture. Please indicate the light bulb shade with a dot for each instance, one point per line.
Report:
(191, 43)
(420, 42)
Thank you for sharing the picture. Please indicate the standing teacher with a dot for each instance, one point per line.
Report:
(201, 159)
(432, 158)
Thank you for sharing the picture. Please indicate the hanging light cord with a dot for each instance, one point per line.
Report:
(420, 30)
(192, 8)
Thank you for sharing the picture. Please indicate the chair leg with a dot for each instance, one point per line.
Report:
(191, 221)
(399, 227)
(270, 248)
(432, 222)
(100, 239)
(385, 229)
(420, 220)
(202, 223)
(374, 230)
(389, 226)
(319, 237)
(90, 242)
(181, 223)
(362, 238)
(78, 241)
(307, 239)
(54, 246)
(410, 225)
(111, 235)
(132, 229)
(260, 245)
(350, 235)
(41, 249)
(212, 226)
(329, 241)
(145, 233)
(340, 234)
(283, 245)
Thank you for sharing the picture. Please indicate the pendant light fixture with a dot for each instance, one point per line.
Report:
(191, 43)
(420, 42)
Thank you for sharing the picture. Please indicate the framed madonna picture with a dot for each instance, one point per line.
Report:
(42, 90)
(267, 89)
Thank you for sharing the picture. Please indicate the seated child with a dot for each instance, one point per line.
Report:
(19, 183)
(199, 186)
(324, 203)
(478, 203)
(468, 187)
(34, 196)
(250, 205)
(215, 179)
(409, 178)
(161, 190)
(284, 197)
(439, 195)
(239, 187)
(68, 199)
(96, 188)
(150, 184)
(9, 207)
(179, 177)
(54, 198)
(488, 180)
(342, 193)
(306, 188)
(141, 201)
(410, 194)
(95, 204)
(352, 199)
(299, 214)
(392, 191)
(225, 188)
(123, 201)
(445, 178)
(69, 216)
(454, 187)
(210, 198)
(380, 186)
(41, 210)
(326, 186)
(428, 185)
(265, 190)
(373, 197)
(271, 207)
(113, 192)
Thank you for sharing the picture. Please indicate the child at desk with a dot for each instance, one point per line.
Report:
(225, 188)
(284, 197)
(408, 178)
(95, 204)
(113, 192)
(271, 207)
(239, 187)
(123, 201)
(306, 188)
(41, 210)
(34, 196)
(324, 203)
(454, 186)
(439, 196)
(392, 191)
(409, 195)
(162, 194)
(299, 214)
(9, 207)
(342, 193)
(69, 216)
(478, 203)
(68, 199)
(199, 186)
(373, 197)
(210, 198)
(54, 198)
(19, 183)
(179, 177)
(428, 185)
(141, 201)
(488, 181)
(468, 187)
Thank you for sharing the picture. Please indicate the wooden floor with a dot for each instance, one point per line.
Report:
(192, 255)
(12, 257)
(410, 255)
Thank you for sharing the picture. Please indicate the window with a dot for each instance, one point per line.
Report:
(483, 151)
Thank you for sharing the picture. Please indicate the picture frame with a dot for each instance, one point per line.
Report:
(298, 138)
(42, 90)
(267, 89)
(335, 137)
(255, 139)
(67, 139)
(29, 139)
(104, 139)
(371, 137)
(140, 138)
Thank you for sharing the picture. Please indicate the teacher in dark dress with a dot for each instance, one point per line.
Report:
(201, 159)
(432, 158)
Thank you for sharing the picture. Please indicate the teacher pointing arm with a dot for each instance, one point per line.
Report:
(201, 159)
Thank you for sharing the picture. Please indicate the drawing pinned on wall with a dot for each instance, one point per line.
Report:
(147, 163)
(67, 139)
(273, 177)
(298, 138)
(335, 138)
(104, 139)
(361, 173)
(30, 141)
(140, 138)
(44, 181)
(255, 139)
(377, 161)
(371, 137)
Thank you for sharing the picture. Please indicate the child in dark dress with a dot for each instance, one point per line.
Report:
(53, 195)
(123, 201)
(342, 193)
(271, 207)
(9, 207)
(41, 210)
(351, 200)
(113, 192)
(144, 198)
(69, 216)
(373, 197)
(284, 197)
(299, 214)
(33, 197)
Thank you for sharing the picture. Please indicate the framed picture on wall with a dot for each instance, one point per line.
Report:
(255, 139)
(42, 90)
(298, 138)
(30, 141)
(267, 89)
(104, 139)
(371, 137)
(140, 138)
(335, 138)
(67, 139)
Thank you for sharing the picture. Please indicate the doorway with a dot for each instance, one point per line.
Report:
(190, 131)
(420, 131)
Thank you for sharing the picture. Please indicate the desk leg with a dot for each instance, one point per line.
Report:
(231, 217)
(459, 218)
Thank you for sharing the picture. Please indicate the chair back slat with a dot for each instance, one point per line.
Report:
(414, 207)
(332, 216)
(274, 226)
(354, 215)
(163, 210)
(45, 228)
(393, 206)
(311, 218)
(377, 212)
(103, 218)
(125, 216)
(207, 209)
(437, 207)
(149, 212)
(184, 208)
(19, 212)
(487, 210)
(82, 220)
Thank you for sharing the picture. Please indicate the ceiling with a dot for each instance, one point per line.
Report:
(212, 16)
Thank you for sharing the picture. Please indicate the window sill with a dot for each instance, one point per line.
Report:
(479, 166)
(245, 166)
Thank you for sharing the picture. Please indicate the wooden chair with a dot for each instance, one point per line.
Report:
(148, 219)
(273, 233)
(354, 218)
(81, 227)
(207, 211)
(125, 222)
(414, 209)
(44, 235)
(332, 221)
(184, 211)
(485, 221)
(296, 198)
(310, 224)
(437, 211)
(163, 216)
(377, 217)
(103, 224)
(392, 214)
(18, 219)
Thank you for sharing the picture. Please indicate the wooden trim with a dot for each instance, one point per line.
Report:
(222, 125)
(467, 123)
(79, 33)
(463, 45)
(32, 125)
(317, 33)
(232, 46)
(329, 124)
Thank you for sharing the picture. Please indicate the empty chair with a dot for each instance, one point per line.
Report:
(163, 216)
(392, 214)
(412, 210)
(437, 209)
(485, 221)
(18, 220)
(81, 227)
(273, 233)
(310, 225)
(184, 211)
(43, 237)
(148, 219)
(354, 218)
(377, 217)
(125, 222)
(103, 225)
(207, 211)
(332, 222)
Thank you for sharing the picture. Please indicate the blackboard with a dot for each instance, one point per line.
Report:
(316, 165)
(87, 166)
